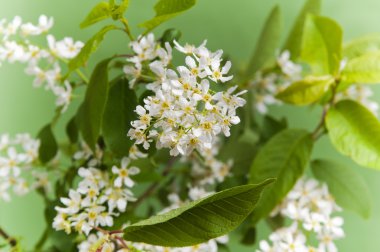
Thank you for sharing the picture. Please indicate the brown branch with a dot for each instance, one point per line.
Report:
(154, 186)
(12, 241)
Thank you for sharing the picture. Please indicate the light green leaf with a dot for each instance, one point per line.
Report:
(167, 9)
(89, 48)
(100, 12)
(348, 187)
(91, 111)
(200, 220)
(362, 45)
(355, 132)
(306, 91)
(118, 114)
(118, 10)
(284, 157)
(48, 144)
(268, 42)
(364, 69)
(294, 40)
(322, 45)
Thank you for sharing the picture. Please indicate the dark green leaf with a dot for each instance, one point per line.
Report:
(170, 35)
(306, 91)
(268, 42)
(284, 157)
(48, 145)
(276, 222)
(91, 112)
(322, 45)
(198, 221)
(272, 126)
(294, 40)
(100, 12)
(167, 9)
(348, 187)
(118, 114)
(355, 132)
(89, 48)
(249, 237)
(363, 70)
(72, 130)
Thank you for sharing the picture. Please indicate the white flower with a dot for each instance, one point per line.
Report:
(287, 66)
(326, 243)
(73, 203)
(64, 95)
(4, 141)
(66, 48)
(12, 27)
(123, 173)
(135, 153)
(187, 48)
(11, 164)
(294, 243)
(44, 25)
(60, 223)
(13, 52)
(196, 193)
(217, 74)
(333, 226)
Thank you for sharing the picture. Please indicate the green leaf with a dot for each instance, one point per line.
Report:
(170, 35)
(271, 126)
(89, 48)
(167, 9)
(294, 40)
(364, 69)
(100, 12)
(355, 132)
(268, 42)
(284, 157)
(322, 45)
(118, 10)
(249, 237)
(362, 45)
(118, 114)
(348, 187)
(91, 112)
(306, 91)
(72, 130)
(48, 144)
(200, 220)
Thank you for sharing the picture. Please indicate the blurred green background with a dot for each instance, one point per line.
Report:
(230, 25)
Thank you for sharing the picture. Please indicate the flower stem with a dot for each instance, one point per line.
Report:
(12, 241)
(154, 186)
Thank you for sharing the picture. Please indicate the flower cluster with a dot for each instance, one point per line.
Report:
(267, 85)
(310, 207)
(97, 199)
(17, 156)
(184, 114)
(42, 63)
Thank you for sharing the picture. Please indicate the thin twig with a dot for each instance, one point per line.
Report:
(154, 186)
(12, 241)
